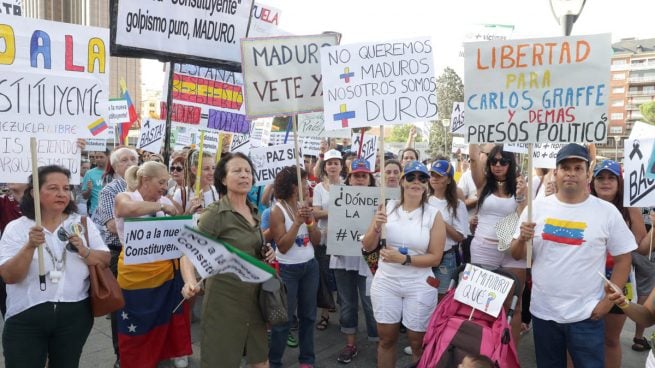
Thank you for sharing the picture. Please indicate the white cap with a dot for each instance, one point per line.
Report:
(331, 154)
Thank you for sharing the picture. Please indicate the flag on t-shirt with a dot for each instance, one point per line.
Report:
(564, 231)
(147, 330)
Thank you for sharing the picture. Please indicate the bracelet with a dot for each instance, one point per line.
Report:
(625, 304)
(311, 224)
(88, 252)
(377, 230)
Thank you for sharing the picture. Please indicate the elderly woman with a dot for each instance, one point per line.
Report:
(231, 320)
(149, 288)
(295, 233)
(399, 289)
(52, 324)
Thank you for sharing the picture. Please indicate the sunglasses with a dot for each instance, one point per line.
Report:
(421, 177)
(177, 168)
(503, 161)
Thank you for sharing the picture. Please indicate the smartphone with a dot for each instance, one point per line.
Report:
(616, 288)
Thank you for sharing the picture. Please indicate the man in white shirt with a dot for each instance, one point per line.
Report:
(572, 232)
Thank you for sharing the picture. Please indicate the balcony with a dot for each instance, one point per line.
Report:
(631, 107)
(641, 80)
(648, 92)
(642, 66)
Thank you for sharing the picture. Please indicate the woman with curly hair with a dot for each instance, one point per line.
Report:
(295, 232)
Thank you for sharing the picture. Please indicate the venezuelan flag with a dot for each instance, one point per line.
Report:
(125, 127)
(564, 231)
(97, 127)
(147, 330)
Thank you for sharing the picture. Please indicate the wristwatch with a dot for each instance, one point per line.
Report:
(408, 260)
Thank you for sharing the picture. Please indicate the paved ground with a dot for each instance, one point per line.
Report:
(99, 353)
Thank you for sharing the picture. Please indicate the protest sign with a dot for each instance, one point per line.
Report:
(483, 290)
(181, 30)
(207, 98)
(241, 143)
(310, 146)
(369, 148)
(264, 21)
(486, 32)
(515, 147)
(378, 84)
(261, 132)
(150, 239)
(211, 257)
(638, 150)
(460, 145)
(268, 161)
(151, 135)
(16, 164)
(10, 7)
(118, 111)
(96, 145)
(544, 155)
(457, 118)
(187, 135)
(537, 90)
(55, 79)
(283, 74)
(351, 212)
(312, 125)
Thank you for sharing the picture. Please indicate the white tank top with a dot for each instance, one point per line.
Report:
(302, 250)
(493, 209)
(412, 231)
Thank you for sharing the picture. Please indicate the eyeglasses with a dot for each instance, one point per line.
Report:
(177, 168)
(503, 161)
(412, 176)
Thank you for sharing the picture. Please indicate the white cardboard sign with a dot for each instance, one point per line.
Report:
(378, 84)
(151, 135)
(483, 290)
(457, 118)
(268, 161)
(638, 170)
(369, 148)
(312, 125)
(153, 238)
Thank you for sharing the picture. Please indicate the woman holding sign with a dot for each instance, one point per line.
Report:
(52, 324)
(185, 196)
(231, 319)
(400, 289)
(295, 233)
(607, 184)
(151, 290)
(501, 193)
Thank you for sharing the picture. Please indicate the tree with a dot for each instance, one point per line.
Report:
(449, 89)
(399, 133)
(648, 111)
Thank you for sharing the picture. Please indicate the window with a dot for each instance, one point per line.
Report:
(617, 103)
(618, 90)
(616, 116)
(619, 62)
(616, 130)
(618, 76)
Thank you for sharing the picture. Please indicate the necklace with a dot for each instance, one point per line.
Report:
(501, 183)
(288, 209)
(58, 264)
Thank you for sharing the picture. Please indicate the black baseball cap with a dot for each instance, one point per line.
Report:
(572, 150)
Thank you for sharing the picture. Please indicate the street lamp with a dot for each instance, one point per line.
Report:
(445, 123)
(566, 12)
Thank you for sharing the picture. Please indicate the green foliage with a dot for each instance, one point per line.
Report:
(449, 89)
(648, 111)
(399, 133)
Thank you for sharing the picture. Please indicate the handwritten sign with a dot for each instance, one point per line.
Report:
(151, 135)
(537, 90)
(187, 135)
(265, 21)
(486, 32)
(378, 84)
(515, 147)
(182, 29)
(10, 7)
(459, 144)
(638, 188)
(457, 118)
(283, 74)
(118, 111)
(16, 164)
(351, 212)
(312, 125)
(269, 161)
(483, 290)
(54, 79)
(211, 257)
(369, 148)
(261, 132)
(150, 239)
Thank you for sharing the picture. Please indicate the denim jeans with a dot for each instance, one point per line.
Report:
(301, 281)
(349, 284)
(584, 340)
(445, 271)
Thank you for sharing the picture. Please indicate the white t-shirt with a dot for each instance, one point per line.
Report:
(208, 197)
(73, 285)
(569, 249)
(302, 250)
(460, 222)
(467, 185)
(410, 230)
(322, 199)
